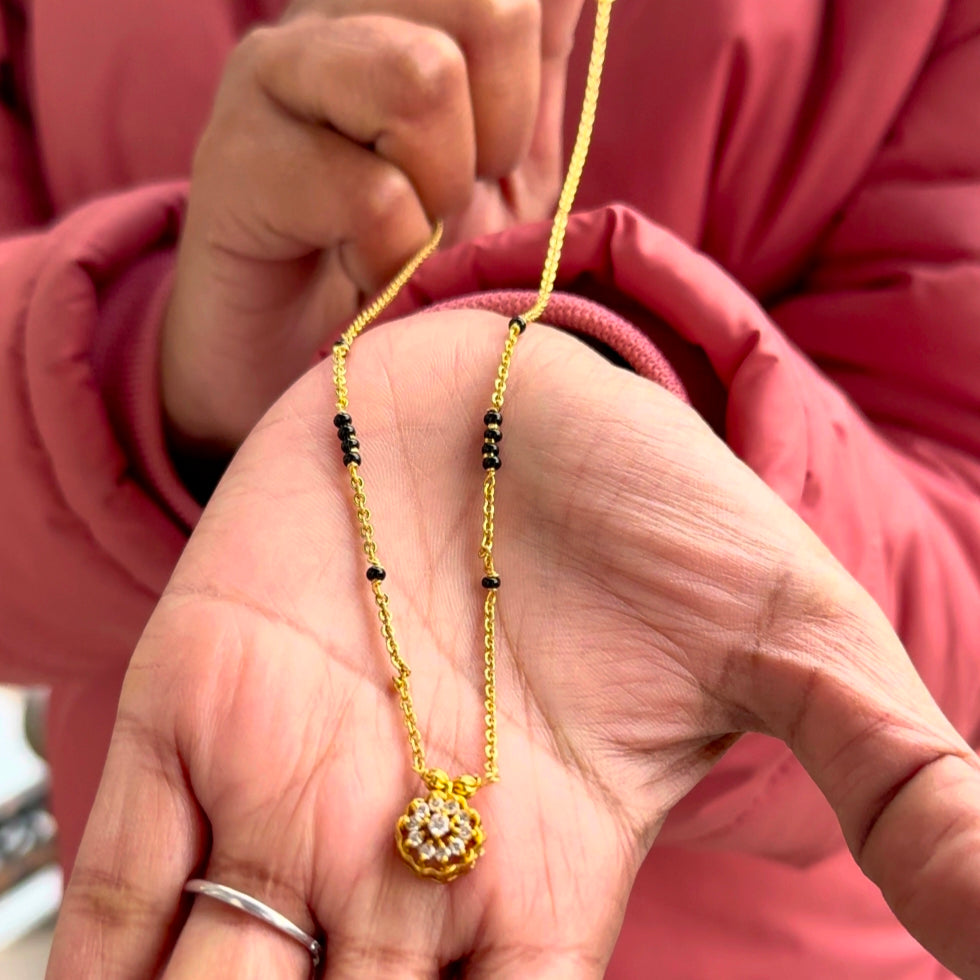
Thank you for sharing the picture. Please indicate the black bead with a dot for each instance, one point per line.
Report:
(352, 458)
(376, 573)
(493, 417)
(518, 321)
(345, 432)
(491, 582)
(492, 435)
(490, 449)
(341, 418)
(351, 442)
(491, 462)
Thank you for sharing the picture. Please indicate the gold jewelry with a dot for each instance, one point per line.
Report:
(440, 835)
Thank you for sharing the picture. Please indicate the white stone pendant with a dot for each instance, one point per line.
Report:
(439, 836)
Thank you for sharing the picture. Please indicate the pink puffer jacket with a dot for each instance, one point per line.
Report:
(799, 235)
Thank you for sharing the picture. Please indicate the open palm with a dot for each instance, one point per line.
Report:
(652, 591)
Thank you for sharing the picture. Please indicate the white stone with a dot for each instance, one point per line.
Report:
(438, 825)
(451, 807)
(456, 846)
(427, 851)
(436, 803)
(442, 854)
(463, 832)
(420, 809)
(414, 839)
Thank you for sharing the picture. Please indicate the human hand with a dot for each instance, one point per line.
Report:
(657, 598)
(337, 137)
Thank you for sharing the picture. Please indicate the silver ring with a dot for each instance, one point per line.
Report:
(252, 906)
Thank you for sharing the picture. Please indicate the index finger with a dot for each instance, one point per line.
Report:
(501, 40)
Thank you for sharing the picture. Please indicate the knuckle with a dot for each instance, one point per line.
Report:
(108, 898)
(777, 601)
(252, 51)
(154, 748)
(431, 70)
(238, 106)
(790, 604)
(786, 663)
(386, 200)
(503, 20)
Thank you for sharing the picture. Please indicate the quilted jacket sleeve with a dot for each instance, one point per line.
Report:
(84, 549)
(890, 312)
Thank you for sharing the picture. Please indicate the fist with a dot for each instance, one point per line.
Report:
(337, 137)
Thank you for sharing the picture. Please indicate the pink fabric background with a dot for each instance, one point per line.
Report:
(798, 235)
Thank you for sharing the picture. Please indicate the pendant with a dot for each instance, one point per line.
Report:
(439, 835)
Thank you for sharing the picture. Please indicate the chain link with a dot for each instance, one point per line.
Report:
(468, 784)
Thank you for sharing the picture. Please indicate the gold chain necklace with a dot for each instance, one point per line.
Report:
(440, 835)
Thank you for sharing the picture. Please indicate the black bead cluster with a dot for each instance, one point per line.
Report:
(491, 582)
(348, 438)
(491, 439)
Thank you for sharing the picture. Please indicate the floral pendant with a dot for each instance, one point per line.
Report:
(440, 836)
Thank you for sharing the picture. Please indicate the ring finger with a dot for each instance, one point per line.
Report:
(221, 940)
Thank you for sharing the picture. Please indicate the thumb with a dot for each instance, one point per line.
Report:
(904, 784)
(923, 850)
